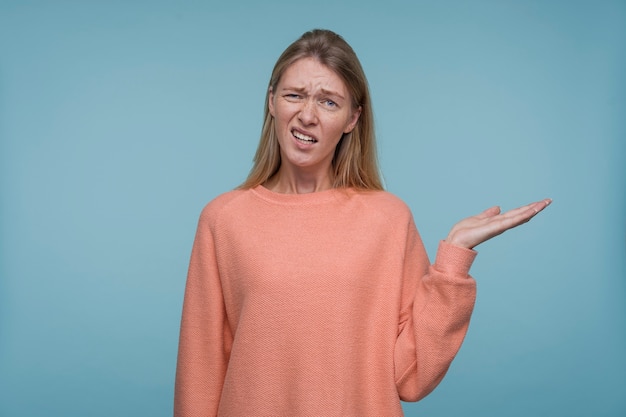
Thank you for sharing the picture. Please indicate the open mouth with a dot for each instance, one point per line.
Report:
(303, 138)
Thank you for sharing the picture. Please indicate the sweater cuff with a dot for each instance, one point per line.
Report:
(454, 259)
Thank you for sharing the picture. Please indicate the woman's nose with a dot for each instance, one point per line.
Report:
(308, 112)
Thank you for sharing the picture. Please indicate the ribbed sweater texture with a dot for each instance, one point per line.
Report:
(320, 304)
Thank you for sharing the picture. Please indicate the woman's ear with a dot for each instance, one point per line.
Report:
(270, 100)
(354, 118)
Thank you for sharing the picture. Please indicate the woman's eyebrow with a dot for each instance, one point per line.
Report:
(324, 91)
(293, 88)
(332, 93)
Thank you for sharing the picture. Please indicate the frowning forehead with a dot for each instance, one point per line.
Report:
(312, 77)
(304, 90)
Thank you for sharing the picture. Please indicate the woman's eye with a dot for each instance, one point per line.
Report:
(292, 96)
(330, 103)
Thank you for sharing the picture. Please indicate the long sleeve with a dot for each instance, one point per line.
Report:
(317, 304)
(205, 337)
(437, 304)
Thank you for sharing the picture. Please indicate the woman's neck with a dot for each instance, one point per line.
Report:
(289, 182)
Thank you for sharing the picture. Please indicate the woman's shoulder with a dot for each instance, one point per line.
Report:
(384, 200)
(216, 206)
(383, 207)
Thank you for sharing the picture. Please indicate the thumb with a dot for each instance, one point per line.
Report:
(490, 212)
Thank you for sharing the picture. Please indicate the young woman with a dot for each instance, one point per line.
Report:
(309, 291)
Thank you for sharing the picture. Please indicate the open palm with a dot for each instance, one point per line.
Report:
(475, 230)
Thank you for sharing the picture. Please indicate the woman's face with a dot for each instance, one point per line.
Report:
(312, 109)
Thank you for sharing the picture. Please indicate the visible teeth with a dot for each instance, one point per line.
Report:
(304, 138)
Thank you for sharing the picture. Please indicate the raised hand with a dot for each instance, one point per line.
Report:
(475, 230)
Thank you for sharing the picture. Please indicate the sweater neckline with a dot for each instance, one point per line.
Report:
(318, 197)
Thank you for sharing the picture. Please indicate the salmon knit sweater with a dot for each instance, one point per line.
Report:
(321, 304)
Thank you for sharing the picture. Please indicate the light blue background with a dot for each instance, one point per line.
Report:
(119, 120)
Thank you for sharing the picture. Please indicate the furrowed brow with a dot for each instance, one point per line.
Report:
(294, 89)
(332, 93)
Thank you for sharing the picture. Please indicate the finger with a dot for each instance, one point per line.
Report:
(521, 215)
(534, 208)
(490, 212)
(540, 205)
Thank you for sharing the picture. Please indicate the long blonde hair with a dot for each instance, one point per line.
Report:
(355, 163)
